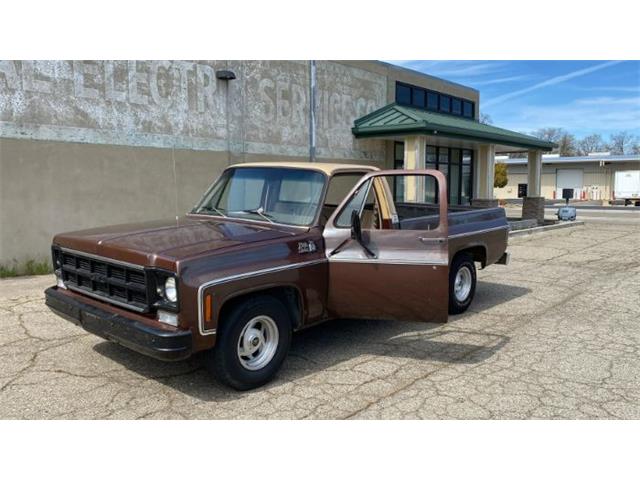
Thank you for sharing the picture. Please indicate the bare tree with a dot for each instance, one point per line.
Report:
(549, 134)
(567, 145)
(486, 119)
(590, 144)
(566, 141)
(622, 142)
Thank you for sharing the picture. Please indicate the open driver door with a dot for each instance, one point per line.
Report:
(388, 248)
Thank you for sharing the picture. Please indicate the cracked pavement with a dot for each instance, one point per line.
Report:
(553, 335)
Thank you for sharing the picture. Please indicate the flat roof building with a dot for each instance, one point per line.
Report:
(88, 143)
(591, 177)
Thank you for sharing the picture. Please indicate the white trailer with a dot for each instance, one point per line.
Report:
(627, 186)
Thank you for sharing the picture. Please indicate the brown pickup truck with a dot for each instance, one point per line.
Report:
(270, 249)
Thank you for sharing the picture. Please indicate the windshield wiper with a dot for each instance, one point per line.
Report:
(209, 208)
(257, 211)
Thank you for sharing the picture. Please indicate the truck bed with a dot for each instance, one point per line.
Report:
(462, 220)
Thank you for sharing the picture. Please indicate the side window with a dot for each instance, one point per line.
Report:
(417, 207)
(339, 186)
(382, 208)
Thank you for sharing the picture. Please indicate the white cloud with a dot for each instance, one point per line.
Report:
(580, 116)
(452, 68)
(514, 78)
(609, 101)
(611, 89)
(547, 83)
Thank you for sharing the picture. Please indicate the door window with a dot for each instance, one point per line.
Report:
(356, 204)
(339, 186)
(380, 207)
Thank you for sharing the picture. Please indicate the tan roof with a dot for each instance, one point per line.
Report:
(328, 168)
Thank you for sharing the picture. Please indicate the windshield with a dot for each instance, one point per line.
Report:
(278, 195)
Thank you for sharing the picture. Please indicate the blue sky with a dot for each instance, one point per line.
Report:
(582, 97)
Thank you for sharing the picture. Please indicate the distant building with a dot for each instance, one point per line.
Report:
(591, 177)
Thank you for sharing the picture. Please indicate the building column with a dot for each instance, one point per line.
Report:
(485, 166)
(533, 203)
(415, 150)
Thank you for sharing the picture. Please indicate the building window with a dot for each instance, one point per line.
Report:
(467, 109)
(432, 101)
(398, 163)
(432, 157)
(403, 94)
(456, 164)
(456, 106)
(418, 97)
(467, 177)
(445, 103)
(454, 176)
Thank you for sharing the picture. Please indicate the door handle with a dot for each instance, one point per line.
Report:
(431, 240)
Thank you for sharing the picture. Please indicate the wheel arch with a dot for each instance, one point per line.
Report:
(478, 252)
(288, 294)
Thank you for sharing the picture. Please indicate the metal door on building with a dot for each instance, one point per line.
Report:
(569, 178)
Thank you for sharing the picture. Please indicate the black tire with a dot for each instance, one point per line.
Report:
(460, 261)
(224, 360)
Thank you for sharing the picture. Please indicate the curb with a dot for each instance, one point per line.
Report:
(546, 228)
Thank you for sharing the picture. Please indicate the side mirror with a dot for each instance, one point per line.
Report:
(356, 227)
(356, 233)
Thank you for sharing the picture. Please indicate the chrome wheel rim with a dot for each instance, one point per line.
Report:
(258, 342)
(462, 285)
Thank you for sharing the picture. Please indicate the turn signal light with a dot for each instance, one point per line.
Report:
(207, 308)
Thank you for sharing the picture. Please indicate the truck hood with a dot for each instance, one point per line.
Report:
(165, 242)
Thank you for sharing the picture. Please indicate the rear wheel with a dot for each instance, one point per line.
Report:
(252, 343)
(462, 283)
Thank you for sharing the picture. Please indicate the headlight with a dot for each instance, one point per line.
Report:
(166, 287)
(170, 290)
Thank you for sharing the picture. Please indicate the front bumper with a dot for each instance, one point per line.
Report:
(154, 342)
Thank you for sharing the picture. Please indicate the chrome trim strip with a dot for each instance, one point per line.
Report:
(240, 276)
(475, 232)
(104, 259)
(386, 262)
(104, 299)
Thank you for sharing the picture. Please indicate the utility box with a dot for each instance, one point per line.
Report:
(567, 213)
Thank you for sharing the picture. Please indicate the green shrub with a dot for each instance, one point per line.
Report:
(33, 267)
(500, 175)
(6, 272)
(30, 267)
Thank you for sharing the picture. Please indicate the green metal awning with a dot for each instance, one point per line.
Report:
(394, 120)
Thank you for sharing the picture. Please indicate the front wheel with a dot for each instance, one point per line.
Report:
(462, 283)
(252, 343)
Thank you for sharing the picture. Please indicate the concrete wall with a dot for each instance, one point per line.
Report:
(88, 143)
(598, 180)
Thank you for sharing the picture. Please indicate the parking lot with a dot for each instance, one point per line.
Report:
(555, 334)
